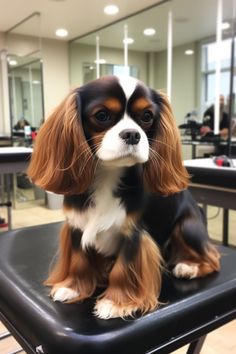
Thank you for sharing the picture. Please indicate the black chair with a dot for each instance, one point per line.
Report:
(191, 309)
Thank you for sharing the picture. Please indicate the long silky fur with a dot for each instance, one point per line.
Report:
(164, 173)
(73, 269)
(62, 161)
(138, 284)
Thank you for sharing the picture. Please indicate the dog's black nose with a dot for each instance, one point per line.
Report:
(130, 136)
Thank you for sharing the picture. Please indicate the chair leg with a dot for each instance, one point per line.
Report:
(196, 346)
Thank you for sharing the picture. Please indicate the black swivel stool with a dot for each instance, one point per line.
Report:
(191, 309)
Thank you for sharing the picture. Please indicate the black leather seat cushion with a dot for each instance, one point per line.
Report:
(192, 308)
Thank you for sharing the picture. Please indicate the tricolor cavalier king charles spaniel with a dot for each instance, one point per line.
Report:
(112, 149)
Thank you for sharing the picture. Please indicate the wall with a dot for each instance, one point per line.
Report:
(55, 72)
(82, 53)
(184, 82)
(55, 60)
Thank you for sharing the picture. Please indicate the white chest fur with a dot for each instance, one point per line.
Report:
(102, 221)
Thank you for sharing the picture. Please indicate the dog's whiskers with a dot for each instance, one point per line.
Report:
(161, 142)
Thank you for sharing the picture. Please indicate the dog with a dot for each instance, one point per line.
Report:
(113, 150)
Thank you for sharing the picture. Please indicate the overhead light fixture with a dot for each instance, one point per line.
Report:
(225, 25)
(128, 40)
(189, 52)
(13, 62)
(111, 9)
(149, 31)
(61, 32)
(100, 61)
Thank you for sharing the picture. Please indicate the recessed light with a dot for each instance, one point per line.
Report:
(128, 40)
(189, 52)
(111, 9)
(149, 31)
(61, 32)
(225, 25)
(100, 61)
(13, 62)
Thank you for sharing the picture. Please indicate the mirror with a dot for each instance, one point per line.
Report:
(141, 52)
(25, 86)
(25, 79)
(193, 55)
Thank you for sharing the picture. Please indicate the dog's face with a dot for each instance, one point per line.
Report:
(117, 122)
(119, 118)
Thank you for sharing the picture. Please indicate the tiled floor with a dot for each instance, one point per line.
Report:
(221, 341)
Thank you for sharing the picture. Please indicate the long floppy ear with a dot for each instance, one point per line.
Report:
(164, 173)
(62, 161)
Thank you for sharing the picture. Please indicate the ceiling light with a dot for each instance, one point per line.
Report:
(128, 40)
(111, 9)
(225, 25)
(189, 52)
(13, 62)
(100, 61)
(149, 31)
(61, 32)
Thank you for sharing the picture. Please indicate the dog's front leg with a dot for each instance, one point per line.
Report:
(74, 276)
(134, 281)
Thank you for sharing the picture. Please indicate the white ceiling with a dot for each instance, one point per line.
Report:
(192, 20)
(77, 16)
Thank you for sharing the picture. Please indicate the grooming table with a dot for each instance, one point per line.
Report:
(12, 160)
(214, 185)
(191, 309)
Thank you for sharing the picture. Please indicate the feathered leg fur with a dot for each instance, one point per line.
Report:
(75, 275)
(133, 285)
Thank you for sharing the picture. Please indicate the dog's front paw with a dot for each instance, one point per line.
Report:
(64, 294)
(106, 309)
(184, 270)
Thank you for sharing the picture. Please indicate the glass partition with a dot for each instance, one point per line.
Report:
(193, 54)
(25, 88)
(25, 85)
(25, 77)
(142, 49)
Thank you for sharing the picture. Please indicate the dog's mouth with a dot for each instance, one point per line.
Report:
(127, 157)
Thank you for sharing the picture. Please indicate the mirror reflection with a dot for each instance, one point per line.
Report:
(193, 54)
(25, 79)
(25, 86)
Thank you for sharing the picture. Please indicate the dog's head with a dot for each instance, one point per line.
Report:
(116, 122)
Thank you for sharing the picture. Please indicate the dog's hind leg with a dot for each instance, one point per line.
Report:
(192, 254)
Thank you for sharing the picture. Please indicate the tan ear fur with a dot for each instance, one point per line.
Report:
(164, 173)
(62, 161)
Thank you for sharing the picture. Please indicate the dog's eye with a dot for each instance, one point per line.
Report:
(103, 116)
(147, 117)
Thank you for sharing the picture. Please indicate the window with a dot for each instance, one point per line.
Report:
(208, 71)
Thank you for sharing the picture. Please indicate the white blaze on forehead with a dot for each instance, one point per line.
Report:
(128, 84)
